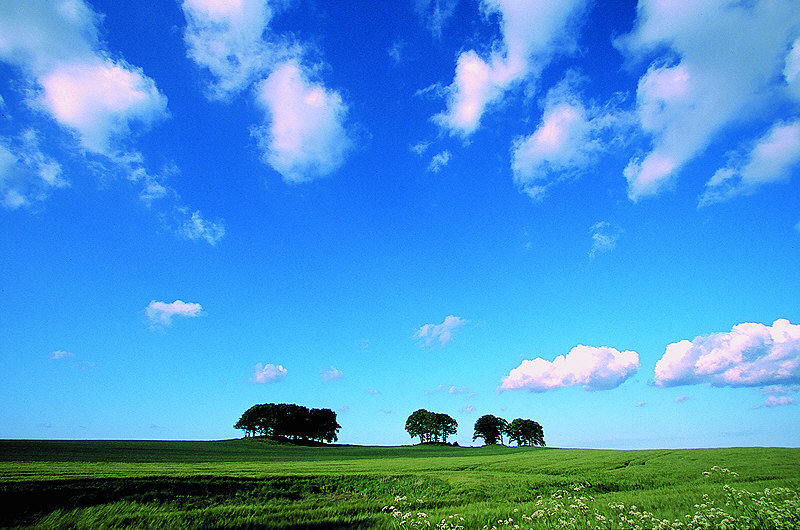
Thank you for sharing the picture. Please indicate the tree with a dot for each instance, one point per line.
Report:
(490, 428)
(445, 426)
(526, 432)
(290, 421)
(430, 426)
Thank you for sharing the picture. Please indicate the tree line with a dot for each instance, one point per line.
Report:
(288, 421)
(522, 431)
(436, 427)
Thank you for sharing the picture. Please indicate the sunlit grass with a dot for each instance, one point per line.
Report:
(244, 483)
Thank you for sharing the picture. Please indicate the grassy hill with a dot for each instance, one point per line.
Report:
(250, 483)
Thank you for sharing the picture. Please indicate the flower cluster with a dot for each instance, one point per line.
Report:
(773, 508)
(409, 514)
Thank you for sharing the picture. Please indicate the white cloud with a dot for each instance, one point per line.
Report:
(268, 373)
(791, 70)
(56, 44)
(60, 355)
(717, 63)
(439, 161)
(770, 160)
(305, 138)
(227, 39)
(69, 76)
(681, 399)
(101, 100)
(373, 392)
(468, 409)
(604, 238)
(331, 374)
(533, 32)
(593, 368)
(751, 354)
(161, 313)
(778, 401)
(435, 13)
(430, 334)
(27, 175)
(566, 142)
(195, 227)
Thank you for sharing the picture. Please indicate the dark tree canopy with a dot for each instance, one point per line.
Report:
(526, 432)
(430, 426)
(490, 428)
(289, 421)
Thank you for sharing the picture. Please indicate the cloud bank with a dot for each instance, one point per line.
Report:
(751, 354)
(592, 368)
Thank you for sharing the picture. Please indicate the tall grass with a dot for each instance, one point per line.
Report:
(247, 484)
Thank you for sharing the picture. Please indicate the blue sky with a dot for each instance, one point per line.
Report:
(584, 213)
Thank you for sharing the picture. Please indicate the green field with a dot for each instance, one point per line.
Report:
(253, 484)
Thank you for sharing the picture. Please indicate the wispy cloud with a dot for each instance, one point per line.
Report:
(771, 159)
(161, 313)
(59, 355)
(431, 334)
(604, 238)
(331, 374)
(587, 366)
(751, 354)
(681, 399)
(268, 373)
(439, 161)
(434, 14)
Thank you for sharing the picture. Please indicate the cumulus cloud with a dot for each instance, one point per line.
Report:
(717, 61)
(430, 334)
(331, 374)
(268, 373)
(533, 32)
(771, 159)
(101, 100)
(439, 161)
(57, 45)
(751, 354)
(306, 137)
(161, 313)
(226, 39)
(593, 368)
(604, 238)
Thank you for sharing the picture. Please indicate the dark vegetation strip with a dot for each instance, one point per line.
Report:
(26, 502)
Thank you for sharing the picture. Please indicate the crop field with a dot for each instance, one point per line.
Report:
(250, 483)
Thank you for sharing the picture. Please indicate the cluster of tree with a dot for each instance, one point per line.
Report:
(289, 421)
(523, 432)
(430, 426)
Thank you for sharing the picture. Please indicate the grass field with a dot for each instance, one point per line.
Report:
(252, 484)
